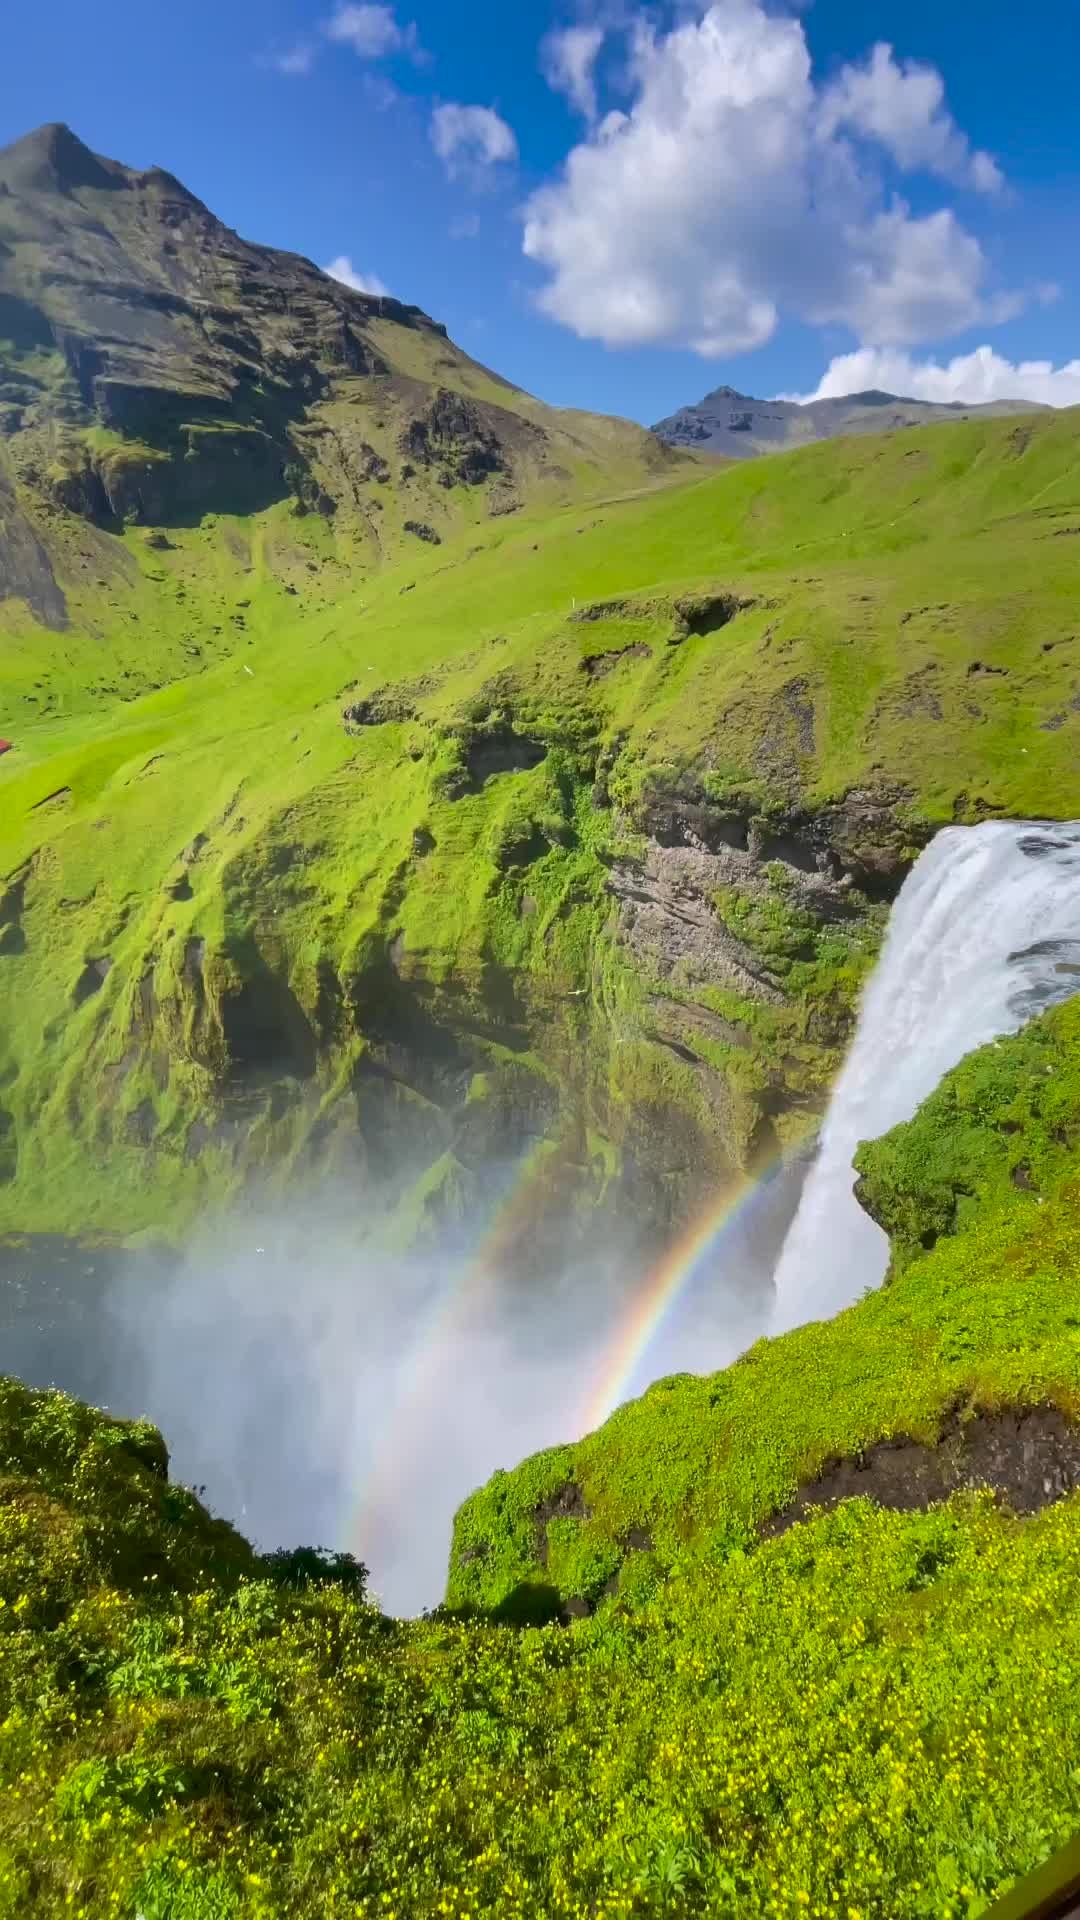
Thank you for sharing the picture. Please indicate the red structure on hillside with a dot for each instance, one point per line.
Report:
(6, 746)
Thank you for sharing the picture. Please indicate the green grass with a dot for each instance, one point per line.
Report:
(696, 1464)
(815, 1725)
(988, 1318)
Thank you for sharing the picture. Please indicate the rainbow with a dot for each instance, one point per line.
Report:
(466, 1282)
(463, 1292)
(661, 1291)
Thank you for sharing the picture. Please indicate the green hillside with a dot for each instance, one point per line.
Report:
(869, 1712)
(239, 930)
(276, 435)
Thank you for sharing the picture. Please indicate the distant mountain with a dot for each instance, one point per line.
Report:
(741, 427)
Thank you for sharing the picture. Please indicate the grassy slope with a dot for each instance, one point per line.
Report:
(873, 1714)
(913, 591)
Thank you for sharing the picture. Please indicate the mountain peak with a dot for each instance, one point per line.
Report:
(738, 426)
(53, 159)
(172, 332)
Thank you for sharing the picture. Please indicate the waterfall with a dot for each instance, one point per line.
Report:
(984, 934)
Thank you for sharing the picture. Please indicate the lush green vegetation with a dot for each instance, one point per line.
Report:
(989, 1318)
(1008, 1118)
(871, 1714)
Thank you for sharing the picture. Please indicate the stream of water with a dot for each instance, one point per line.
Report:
(985, 933)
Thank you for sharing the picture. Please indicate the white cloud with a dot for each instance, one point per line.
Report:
(729, 196)
(902, 108)
(296, 61)
(471, 139)
(371, 31)
(567, 60)
(379, 92)
(913, 279)
(342, 269)
(972, 378)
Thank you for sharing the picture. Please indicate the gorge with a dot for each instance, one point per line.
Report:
(317, 1391)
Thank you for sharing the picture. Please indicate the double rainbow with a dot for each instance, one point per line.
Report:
(622, 1366)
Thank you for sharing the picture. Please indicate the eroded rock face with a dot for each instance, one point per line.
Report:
(863, 840)
(91, 979)
(452, 436)
(156, 368)
(175, 333)
(669, 916)
(26, 572)
(379, 709)
(1028, 1456)
(455, 1079)
(501, 749)
(202, 355)
(668, 920)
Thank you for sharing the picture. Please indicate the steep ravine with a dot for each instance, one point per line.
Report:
(553, 864)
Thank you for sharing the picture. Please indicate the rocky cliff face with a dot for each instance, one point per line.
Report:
(132, 310)
(643, 997)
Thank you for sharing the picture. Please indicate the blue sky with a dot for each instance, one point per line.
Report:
(621, 206)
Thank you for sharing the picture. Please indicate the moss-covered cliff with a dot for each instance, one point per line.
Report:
(406, 773)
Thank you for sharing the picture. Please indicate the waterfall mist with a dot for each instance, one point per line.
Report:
(984, 934)
(327, 1394)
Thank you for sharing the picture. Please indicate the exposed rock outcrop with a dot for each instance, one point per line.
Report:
(1029, 1456)
(452, 436)
(739, 427)
(864, 840)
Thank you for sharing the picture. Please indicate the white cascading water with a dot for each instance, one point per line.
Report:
(984, 934)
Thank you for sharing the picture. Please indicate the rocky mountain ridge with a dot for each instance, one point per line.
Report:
(740, 427)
